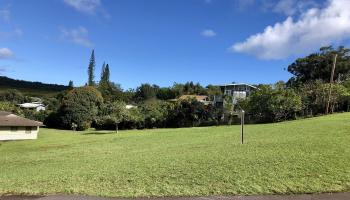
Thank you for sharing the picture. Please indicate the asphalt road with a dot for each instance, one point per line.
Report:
(326, 196)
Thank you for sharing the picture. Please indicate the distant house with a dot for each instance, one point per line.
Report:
(38, 106)
(13, 127)
(129, 106)
(236, 91)
(201, 98)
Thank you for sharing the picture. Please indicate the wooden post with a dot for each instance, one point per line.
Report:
(242, 127)
(330, 84)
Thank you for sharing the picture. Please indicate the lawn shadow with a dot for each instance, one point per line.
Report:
(99, 133)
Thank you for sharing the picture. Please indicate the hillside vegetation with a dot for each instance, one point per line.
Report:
(302, 156)
(37, 89)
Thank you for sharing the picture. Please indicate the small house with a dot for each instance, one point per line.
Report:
(130, 106)
(13, 127)
(37, 106)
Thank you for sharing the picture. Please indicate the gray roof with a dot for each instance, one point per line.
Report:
(233, 84)
(9, 119)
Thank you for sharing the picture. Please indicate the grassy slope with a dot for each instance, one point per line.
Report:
(305, 156)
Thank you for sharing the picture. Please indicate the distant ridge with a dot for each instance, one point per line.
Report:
(29, 87)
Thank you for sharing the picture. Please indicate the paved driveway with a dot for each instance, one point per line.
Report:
(335, 196)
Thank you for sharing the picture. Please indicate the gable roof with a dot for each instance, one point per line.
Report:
(235, 84)
(31, 105)
(9, 119)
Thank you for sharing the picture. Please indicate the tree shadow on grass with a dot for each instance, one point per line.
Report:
(100, 133)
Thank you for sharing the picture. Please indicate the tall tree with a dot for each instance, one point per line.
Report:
(107, 73)
(103, 72)
(70, 84)
(318, 66)
(91, 69)
(146, 92)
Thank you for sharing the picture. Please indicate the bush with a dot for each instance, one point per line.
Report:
(111, 115)
(80, 106)
(188, 113)
(10, 107)
(272, 104)
(35, 115)
(155, 113)
(13, 96)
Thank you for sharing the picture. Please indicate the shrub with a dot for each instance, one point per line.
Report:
(10, 107)
(155, 113)
(13, 96)
(272, 104)
(111, 115)
(80, 106)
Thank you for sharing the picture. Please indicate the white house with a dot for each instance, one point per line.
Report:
(13, 127)
(38, 106)
(129, 106)
(236, 91)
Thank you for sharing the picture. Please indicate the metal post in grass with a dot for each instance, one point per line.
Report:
(242, 126)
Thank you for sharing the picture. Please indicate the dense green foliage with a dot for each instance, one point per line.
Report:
(272, 104)
(80, 106)
(10, 107)
(306, 94)
(302, 156)
(6, 82)
(14, 96)
(111, 115)
(318, 66)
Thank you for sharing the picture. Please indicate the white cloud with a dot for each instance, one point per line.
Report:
(17, 32)
(78, 36)
(5, 14)
(86, 6)
(314, 28)
(6, 53)
(244, 4)
(285, 6)
(289, 7)
(208, 33)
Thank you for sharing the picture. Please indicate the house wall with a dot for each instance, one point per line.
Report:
(18, 133)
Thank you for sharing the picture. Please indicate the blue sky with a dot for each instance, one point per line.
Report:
(162, 42)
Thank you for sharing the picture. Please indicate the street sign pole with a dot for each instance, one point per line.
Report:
(242, 126)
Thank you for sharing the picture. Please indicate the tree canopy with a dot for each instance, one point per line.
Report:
(318, 66)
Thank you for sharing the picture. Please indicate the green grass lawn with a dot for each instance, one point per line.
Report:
(304, 156)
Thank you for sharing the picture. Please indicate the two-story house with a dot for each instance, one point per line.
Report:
(235, 90)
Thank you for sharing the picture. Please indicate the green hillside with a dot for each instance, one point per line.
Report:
(303, 156)
(31, 88)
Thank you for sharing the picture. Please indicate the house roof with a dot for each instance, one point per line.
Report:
(129, 106)
(9, 119)
(233, 84)
(197, 97)
(31, 105)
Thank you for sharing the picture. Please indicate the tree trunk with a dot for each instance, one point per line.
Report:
(116, 127)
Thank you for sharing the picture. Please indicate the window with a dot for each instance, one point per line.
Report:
(28, 129)
(14, 128)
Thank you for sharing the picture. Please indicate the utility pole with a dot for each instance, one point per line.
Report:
(330, 84)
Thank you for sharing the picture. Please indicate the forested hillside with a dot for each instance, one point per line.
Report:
(31, 88)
